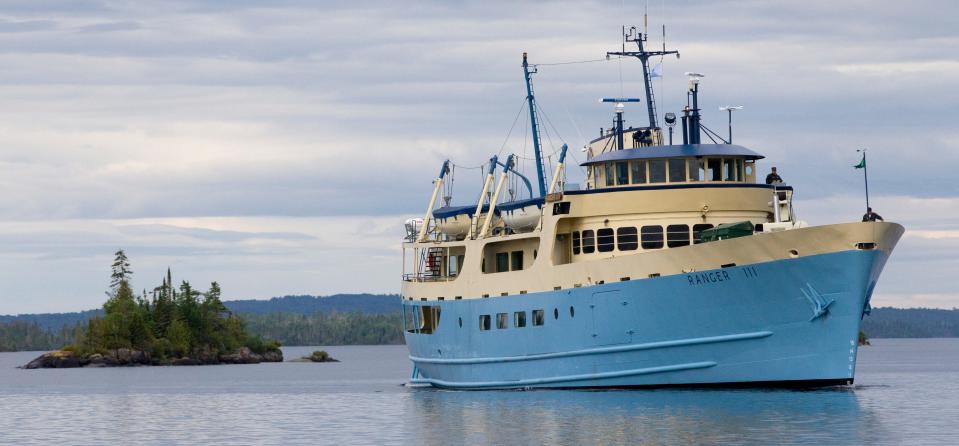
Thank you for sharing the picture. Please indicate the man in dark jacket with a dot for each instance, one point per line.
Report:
(773, 178)
(871, 216)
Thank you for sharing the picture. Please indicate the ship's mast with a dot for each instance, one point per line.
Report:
(537, 150)
(633, 35)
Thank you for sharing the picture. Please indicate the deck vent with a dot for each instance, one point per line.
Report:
(653, 275)
(504, 294)
(728, 265)
(557, 288)
(866, 245)
(624, 279)
(577, 285)
(600, 282)
(522, 292)
(459, 297)
(441, 298)
(423, 299)
(486, 295)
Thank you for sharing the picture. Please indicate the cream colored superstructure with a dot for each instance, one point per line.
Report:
(548, 259)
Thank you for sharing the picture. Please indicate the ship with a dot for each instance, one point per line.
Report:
(673, 265)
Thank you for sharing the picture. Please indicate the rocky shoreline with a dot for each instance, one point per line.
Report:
(124, 357)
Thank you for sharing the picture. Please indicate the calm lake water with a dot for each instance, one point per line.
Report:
(907, 392)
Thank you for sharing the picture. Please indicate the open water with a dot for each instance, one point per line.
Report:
(906, 392)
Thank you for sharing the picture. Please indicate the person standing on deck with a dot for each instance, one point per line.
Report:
(871, 216)
(773, 178)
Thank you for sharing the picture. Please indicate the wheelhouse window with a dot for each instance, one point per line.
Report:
(604, 240)
(677, 170)
(626, 238)
(622, 173)
(729, 170)
(538, 317)
(576, 241)
(657, 171)
(638, 171)
(589, 243)
(516, 260)
(484, 322)
(677, 235)
(519, 319)
(502, 262)
(714, 167)
(609, 174)
(652, 237)
(694, 166)
(697, 231)
(502, 321)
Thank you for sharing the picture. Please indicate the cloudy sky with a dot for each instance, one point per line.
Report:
(278, 146)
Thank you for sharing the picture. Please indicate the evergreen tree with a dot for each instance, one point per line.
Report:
(121, 271)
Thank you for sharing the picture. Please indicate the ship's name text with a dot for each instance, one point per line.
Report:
(710, 277)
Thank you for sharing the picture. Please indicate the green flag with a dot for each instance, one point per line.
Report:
(862, 164)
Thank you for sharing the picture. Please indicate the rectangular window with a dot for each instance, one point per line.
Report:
(638, 170)
(729, 170)
(626, 238)
(609, 173)
(657, 171)
(502, 321)
(693, 166)
(677, 171)
(622, 173)
(652, 237)
(604, 240)
(484, 322)
(739, 170)
(714, 167)
(576, 242)
(516, 259)
(519, 319)
(589, 243)
(677, 235)
(538, 317)
(697, 231)
(502, 262)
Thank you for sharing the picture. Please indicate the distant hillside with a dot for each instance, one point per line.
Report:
(341, 303)
(52, 321)
(888, 322)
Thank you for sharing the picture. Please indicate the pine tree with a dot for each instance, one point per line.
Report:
(120, 270)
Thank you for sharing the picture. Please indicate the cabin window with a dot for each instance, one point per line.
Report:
(750, 170)
(589, 243)
(697, 232)
(604, 240)
(652, 237)
(714, 167)
(516, 259)
(693, 166)
(502, 262)
(502, 321)
(638, 169)
(677, 170)
(423, 319)
(729, 170)
(677, 235)
(622, 173)
(609, 174)
(538, 317)
(739, 170)
(484, 322)
(626, 238)
(576, 242)
(519, 319)
(657, 171)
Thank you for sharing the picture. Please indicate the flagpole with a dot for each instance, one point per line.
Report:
(865, 173)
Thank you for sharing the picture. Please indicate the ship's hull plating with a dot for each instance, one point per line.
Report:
(785, 322)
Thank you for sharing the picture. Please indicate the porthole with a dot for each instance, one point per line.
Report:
(572, 312)
(555, 313)
(793, 253)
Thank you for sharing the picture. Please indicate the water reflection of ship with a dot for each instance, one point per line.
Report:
(667, 417)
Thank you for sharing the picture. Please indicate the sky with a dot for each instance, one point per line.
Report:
(277, 147)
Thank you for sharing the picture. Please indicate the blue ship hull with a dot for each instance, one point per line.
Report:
(785, 322)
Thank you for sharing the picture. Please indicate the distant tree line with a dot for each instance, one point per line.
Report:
(328, 328)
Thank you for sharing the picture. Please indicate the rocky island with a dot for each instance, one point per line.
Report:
(169, 326)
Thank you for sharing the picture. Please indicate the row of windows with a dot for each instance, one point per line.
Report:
(625, 238)
(509, 261)
(675, 170)
(519, 319)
